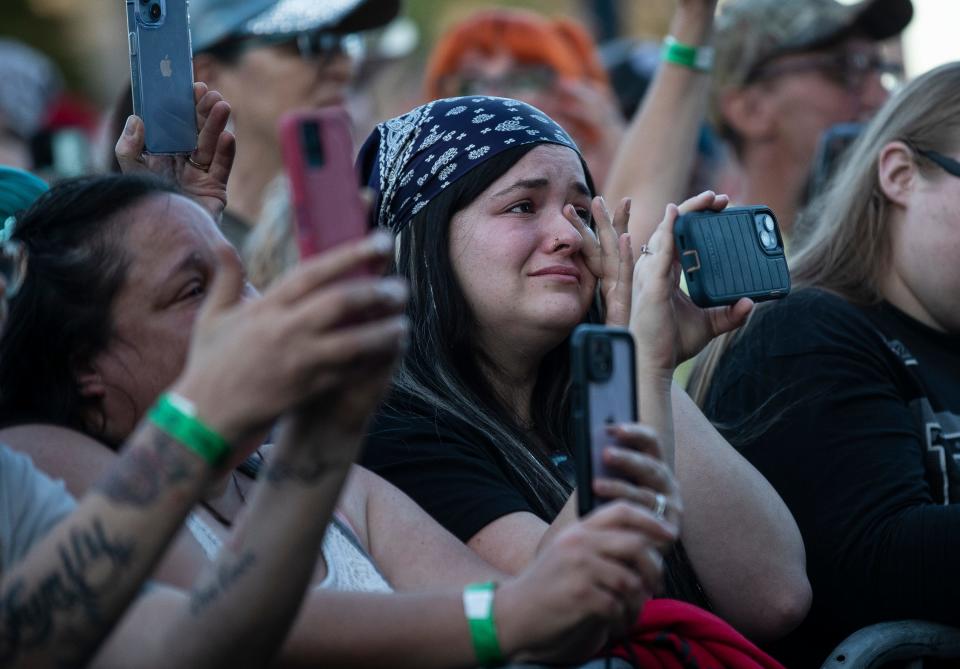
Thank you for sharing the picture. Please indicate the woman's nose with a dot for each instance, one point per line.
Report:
(562, 234)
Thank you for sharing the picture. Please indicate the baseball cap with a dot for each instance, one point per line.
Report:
(751, 32)
(213, 21)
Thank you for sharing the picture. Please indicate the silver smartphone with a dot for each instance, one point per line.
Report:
(161, 73)
(604, 387)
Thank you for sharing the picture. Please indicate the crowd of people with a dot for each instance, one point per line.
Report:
(214, 452)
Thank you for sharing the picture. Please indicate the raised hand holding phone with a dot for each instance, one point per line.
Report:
(202, 175)
(667, 325)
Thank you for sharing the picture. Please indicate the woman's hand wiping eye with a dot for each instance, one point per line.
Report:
(607, 254)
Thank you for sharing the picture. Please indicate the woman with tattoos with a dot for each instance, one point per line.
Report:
(62, 597)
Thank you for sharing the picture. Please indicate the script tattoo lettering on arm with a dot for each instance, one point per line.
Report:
(67, 602)
(224, 577)
(142, 473)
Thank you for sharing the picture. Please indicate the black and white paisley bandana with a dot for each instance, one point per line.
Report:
(410, 159)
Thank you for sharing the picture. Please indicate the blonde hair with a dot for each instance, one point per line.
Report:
(842, 241)
(271, 248)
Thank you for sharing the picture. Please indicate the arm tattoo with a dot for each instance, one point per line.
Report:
(141, 474)
(226, 575)
(65, 603)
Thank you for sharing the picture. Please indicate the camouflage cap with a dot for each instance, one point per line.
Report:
(751, 32)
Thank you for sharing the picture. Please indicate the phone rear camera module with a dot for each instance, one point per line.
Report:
(764, 222)
(600, 359)
(155, 12)
(766, 231)
(313, 144)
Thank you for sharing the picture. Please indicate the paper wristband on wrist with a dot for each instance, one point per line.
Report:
(478, 608)
(699, 58)
(177, 417)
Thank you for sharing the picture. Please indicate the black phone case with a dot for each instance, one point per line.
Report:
(597, 404)
(723, 259)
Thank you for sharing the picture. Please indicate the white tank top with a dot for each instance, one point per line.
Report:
(349, 568)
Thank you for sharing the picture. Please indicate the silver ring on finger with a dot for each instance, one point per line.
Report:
(645, 250)
(660, 505)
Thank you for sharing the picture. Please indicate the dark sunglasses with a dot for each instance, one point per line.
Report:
(848, 69)
(313, 46)
(946, 163)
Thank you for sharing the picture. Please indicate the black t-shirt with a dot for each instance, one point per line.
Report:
(853, 414)
(454, 473)
(446, 467)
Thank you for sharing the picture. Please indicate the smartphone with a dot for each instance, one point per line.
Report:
(734, 253)
(831, 147)
(604, 387)
(317, 148)
(161, 74)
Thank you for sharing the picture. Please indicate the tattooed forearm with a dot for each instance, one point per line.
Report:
(142, 473)
(225, 576)
(67, 602)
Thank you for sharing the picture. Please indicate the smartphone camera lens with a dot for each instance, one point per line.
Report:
(601, 359)
(155, 11)
(766, 231)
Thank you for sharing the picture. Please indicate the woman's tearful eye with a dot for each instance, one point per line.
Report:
(525, 207)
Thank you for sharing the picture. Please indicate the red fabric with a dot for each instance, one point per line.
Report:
(676, 635)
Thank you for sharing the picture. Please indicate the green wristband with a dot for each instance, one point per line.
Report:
(478, 607)
(699, 58)
(177, 416)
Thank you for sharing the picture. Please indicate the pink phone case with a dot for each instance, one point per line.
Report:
(318, 155)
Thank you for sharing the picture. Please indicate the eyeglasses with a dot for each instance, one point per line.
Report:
(848, 69)
(946, 163)
(314, 46)
(528, 79)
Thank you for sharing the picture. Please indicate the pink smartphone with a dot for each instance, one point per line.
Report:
(318, 155)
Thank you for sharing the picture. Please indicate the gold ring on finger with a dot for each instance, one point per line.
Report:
(202, 168)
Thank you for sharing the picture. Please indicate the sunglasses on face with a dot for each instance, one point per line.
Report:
(848, 69)
(946, 163)
(316, 46)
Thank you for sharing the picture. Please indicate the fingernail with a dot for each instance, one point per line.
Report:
(130, 126)
(612, 452)
(627, 205)
(393, 290)
(382, 242)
